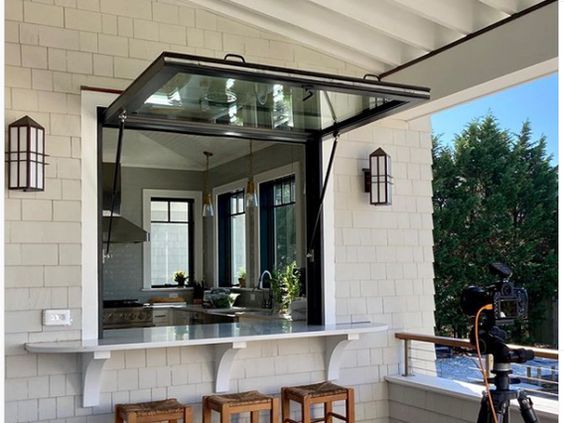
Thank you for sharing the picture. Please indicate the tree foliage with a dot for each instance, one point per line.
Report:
(495, 199)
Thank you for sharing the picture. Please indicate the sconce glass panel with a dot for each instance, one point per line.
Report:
(26, 155)
(380, 178)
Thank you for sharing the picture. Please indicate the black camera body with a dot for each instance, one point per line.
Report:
(509, 302)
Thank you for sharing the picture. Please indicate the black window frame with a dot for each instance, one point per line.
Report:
(224, 216)
(190, 227)
(267, 236)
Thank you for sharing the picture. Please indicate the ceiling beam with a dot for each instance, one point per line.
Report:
(306, 38)
(463, 16)
(332, 27)
(507, 6)
(502, 51)
(393, 21)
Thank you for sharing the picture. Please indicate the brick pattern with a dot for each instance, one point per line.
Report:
(383, 255)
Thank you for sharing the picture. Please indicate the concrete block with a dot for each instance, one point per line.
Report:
(145, 30)
(128, 379)
(173, 34)
(43, 14)
(47, 408)
(88, 42)
(17, 77)
(83, 20)
(113, 45)
(59, 38)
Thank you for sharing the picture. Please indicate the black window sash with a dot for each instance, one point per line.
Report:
(189, 224)
(224, 227)
(267, 222)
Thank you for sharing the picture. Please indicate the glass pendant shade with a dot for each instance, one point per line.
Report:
(251, 200)
(207, 209)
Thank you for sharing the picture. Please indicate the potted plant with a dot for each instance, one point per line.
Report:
(285, 286)
(180, 278)
(242, 278)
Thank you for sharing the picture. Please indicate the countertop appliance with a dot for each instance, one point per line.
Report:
(128, 313)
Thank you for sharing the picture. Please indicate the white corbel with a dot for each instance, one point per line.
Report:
(92, 366)
(334, 350)
(224, 357)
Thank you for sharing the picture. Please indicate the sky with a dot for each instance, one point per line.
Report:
(536, 100)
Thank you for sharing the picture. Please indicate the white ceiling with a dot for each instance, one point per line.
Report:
(377, 35)
(164, 150)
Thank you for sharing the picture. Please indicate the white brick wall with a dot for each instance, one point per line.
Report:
(383, 255)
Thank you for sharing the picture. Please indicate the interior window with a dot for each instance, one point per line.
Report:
(231, 237)
(172, 240)
(278, 223)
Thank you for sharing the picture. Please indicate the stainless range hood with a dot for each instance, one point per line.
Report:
(123, 230)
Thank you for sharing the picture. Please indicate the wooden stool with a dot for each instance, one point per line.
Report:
(245, 402)
(317, 393)
(168, 410)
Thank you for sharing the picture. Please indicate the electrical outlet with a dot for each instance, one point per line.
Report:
(56, 318)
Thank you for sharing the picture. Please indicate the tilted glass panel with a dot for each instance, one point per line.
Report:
(245, 103)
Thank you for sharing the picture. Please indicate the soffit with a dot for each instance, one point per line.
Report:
(376, 35)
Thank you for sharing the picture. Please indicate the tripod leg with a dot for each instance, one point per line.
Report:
(526, 406)
(484, 414)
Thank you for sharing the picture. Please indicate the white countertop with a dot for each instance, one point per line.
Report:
(210, 334)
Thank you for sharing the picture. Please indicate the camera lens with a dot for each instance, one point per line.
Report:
(506, 289)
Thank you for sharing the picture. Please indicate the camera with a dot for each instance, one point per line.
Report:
(509, 302)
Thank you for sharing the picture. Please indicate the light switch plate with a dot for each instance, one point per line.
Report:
(56, 318)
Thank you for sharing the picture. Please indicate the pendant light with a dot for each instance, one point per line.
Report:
(207, 210)
(251, 200)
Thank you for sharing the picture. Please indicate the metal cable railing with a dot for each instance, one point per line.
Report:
(459, 362)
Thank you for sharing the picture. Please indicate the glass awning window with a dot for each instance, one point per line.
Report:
(184, 93)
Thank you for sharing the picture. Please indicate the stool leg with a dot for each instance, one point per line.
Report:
(350, 405)
(225, 415)
(285, 406)
(118, 418)
(206, 411)
(306, 410)
(328, 409)
(187, 414)
(275, 411)
(255, 417)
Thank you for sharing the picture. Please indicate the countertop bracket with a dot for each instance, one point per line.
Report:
(224, 356)
(92, 366)
(334, 351)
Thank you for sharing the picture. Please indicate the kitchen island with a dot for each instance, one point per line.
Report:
(227, 340)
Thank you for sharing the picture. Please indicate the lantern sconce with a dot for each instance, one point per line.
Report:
(26, 155)
(378, 178)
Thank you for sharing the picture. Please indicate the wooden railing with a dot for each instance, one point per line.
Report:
(465, 343)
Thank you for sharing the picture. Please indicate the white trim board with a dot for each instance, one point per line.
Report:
(90, 101)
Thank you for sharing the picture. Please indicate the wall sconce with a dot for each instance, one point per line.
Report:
(26, 155)
(378, 178)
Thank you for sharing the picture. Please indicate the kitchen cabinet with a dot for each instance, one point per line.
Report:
(162, 316)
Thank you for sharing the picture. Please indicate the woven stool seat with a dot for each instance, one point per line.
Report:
(153, 407)
(154, 411)
(317, 390)
(242, 398)
(325, 393)
(252, 402)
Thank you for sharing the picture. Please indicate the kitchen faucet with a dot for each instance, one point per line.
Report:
(261, 279)
(267, 302)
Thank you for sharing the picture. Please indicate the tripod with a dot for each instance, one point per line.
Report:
(493, 341)
(501, 397)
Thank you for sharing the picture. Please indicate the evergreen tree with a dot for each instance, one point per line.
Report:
(495, 199)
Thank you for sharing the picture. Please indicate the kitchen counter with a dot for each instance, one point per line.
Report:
(227, 340)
